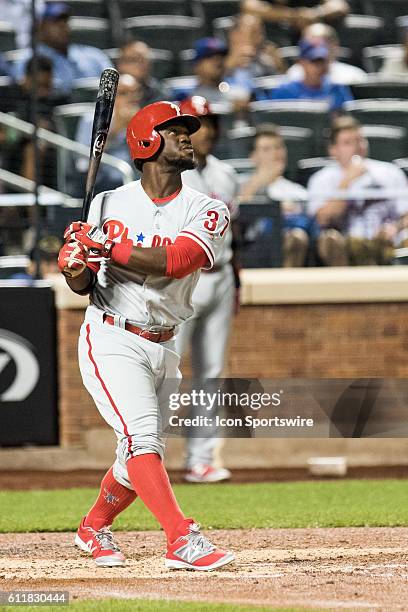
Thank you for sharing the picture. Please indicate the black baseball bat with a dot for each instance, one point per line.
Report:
(105, 101)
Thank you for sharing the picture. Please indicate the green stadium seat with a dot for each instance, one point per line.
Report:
(377, 87)
(7, 37)
(386, 142)
(388, 10)
(161, 32)
(374, 57)
(67, 118)
(296, 113)
(308, 167)
(298, 140)
(87, 8)
(137, 8)
(381, 111)
(358, 31)
(210, 10)
(91, 31)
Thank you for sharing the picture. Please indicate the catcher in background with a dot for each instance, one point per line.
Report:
(215, 297)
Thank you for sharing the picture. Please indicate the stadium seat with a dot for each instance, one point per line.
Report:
(85, 90)
(91, 31)
(403, 164)
(357, 31)
(386, 142)
(241, 166)
(380, 112)
(173, 33)
(87, 8)
(296, 113)
(67, 117)
(307, 167)
(186, 63)
(137, 8)
(388, 10)
(290, 54)
(299, 143)
(12, 264)
(401, 26)
(210, 10)
(377, 87)
(276, 33)
(7, 37)
(374, 57)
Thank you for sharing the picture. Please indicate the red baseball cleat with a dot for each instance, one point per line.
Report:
(100, 544)
(193, 551)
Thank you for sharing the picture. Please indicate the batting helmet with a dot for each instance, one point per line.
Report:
(196, 105)
(142, 136)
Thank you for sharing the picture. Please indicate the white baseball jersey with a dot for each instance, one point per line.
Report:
(128, 212)
(219, 181)
(370, 197)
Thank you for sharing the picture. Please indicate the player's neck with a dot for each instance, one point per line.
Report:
(159, 184)
(201, 161)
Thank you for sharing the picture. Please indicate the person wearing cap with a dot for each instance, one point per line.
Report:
(339, 72)
(70, 61)
(315, 84)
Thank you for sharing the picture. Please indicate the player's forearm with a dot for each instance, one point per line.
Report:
(83, 283)
(151, 260)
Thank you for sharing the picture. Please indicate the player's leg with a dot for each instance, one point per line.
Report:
(210, 341)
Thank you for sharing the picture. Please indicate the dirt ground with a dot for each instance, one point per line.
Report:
(92, 478)
(323, 568)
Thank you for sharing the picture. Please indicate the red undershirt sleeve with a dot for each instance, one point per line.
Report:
(184, 257)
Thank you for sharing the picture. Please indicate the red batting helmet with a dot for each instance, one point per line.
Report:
(142, 136)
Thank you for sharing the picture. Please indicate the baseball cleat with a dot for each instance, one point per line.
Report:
(207, 473)
(193, 551)
(100, 544)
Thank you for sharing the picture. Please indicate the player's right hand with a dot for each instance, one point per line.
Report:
(72, 259)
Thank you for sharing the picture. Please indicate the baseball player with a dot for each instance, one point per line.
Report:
(152, 238)
(214, 297)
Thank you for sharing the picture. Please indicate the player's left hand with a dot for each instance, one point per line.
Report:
(96, 241)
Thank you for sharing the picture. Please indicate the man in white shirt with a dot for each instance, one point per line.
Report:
(270, 157)
(361, 204)
(339, 72)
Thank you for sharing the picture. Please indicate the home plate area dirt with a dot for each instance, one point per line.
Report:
(357, 568)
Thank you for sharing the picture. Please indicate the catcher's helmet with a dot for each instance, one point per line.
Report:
(142, 136)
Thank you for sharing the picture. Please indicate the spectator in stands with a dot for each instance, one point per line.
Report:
(396, 65)
(128, 102)
(361, 204)
(316, 84)
(339, 72)
(20, 154)
(47, 252)
(18, 14)
(70, 61)
(289, 12)
(135, 59)
(250, 54)
(270, 158)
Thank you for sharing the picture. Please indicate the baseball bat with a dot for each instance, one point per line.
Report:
(105, 101)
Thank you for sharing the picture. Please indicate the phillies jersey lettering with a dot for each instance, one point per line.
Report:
(128, 212)
(218, 180)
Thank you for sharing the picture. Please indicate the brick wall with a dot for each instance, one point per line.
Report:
(300, 341)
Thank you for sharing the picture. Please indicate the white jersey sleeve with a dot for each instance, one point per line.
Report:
(208, 228)
(95, 214)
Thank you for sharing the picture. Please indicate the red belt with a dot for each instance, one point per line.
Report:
(163, 336)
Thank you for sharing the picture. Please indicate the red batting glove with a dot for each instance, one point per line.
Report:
(72, 259)
(94, 239)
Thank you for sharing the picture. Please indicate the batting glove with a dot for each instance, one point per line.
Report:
(94, 239)
(72, 259)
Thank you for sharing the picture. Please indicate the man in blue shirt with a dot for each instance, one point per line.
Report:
(70, 61)
(316, 84)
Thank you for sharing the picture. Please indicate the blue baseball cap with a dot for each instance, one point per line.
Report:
(310, 51)
(207, 47)
(55, 10)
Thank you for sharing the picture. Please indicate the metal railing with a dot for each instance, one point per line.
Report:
(66, 144)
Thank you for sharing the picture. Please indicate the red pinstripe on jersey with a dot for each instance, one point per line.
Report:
(104, 387)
